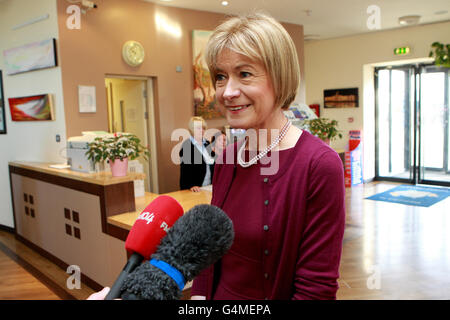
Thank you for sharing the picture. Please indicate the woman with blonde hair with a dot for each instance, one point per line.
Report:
(288, 224)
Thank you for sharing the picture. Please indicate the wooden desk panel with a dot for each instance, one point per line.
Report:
(66, 228)
(105, 212)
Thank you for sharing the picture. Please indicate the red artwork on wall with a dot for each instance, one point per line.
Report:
(32, 108)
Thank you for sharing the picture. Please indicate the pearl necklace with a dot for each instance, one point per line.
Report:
(260, 155)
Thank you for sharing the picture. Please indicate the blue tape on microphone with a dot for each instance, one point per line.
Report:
(170, 271)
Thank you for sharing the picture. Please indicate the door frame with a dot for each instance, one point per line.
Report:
(417, 173)
(150, 125)
(412, 169)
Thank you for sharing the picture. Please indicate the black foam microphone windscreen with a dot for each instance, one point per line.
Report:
(196, 240)
(148, 230)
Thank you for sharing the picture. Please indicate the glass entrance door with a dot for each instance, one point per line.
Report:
(413, 124)
(395, 123)
(434, 131)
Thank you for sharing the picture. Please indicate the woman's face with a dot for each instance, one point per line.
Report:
(244, 91)
(198, 131)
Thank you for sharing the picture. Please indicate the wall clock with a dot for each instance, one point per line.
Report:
(133, 53)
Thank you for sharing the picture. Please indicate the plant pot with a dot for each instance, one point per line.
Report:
(119, 168)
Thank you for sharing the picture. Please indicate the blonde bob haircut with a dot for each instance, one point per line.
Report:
(194, 121)
(259, 37)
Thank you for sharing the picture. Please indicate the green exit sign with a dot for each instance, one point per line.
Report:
(401, 51)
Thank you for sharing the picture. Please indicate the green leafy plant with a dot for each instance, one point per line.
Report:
(441, 54)
(324, 128)
(118, 146)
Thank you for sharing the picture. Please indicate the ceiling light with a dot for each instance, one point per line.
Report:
(409, 20)
(224, 3)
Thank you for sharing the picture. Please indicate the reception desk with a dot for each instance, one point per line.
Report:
(81, 219)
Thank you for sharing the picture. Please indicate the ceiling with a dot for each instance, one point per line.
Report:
(328, 18)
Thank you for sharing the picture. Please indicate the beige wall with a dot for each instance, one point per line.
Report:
(90, 53)
(349, 61)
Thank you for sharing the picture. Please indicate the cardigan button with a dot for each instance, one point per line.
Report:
(266, 252)
(266, 180)
(266, 202)
(266, 275)
(266, 227)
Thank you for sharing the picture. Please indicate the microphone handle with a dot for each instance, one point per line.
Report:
(134, 261)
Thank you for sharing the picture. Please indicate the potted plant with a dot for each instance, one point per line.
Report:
(441, 54)
(324, 128)
(116, 149)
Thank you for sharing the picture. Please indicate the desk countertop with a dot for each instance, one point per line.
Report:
(186, 198)
(101, 178)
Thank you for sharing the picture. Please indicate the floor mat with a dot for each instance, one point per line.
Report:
(413, 195)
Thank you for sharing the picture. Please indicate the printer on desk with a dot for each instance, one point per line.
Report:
(77, 148)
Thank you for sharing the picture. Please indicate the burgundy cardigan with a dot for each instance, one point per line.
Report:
(305, 239)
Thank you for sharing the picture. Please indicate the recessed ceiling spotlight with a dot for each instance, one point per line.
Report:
(409, 20)
(224, 3)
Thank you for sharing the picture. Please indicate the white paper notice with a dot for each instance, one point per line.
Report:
(59, 166)
(86, 99)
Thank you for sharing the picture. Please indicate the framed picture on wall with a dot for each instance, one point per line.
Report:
(340, 98)
(32, 56)
(2, 107)
(32, 108)
(204, 93)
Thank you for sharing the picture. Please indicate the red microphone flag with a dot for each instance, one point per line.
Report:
(152, 225)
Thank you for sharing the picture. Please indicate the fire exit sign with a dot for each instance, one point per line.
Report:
(402, 51)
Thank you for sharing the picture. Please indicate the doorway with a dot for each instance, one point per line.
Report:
(412, 124)
(131, 110)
